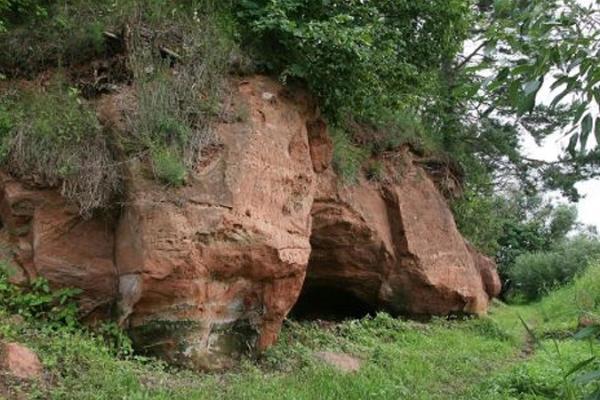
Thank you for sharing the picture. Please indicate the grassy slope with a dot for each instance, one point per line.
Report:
(489, 358)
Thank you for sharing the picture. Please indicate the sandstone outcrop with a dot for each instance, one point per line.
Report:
(49, 238)
(202, 273)
(395, 246)
(213, 268)
(19, 361)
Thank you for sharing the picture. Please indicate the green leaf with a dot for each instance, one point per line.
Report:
(559, 97)
(586, 128)
(572, 144)
(579, 366)
(597, 131)
(532, 87)
(523, 69)
(587, 332)
(526, 104)
(561, 81)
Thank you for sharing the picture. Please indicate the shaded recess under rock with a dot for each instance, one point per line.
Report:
(203, 273)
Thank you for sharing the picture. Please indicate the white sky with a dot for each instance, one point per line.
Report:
(589, 205)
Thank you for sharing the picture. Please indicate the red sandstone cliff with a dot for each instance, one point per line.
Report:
(202, 273)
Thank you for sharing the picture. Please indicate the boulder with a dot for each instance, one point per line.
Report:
(20, 362)
(396, 247)
(49, 238)
(210, 270)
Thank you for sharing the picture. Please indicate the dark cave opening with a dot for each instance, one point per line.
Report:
(329, 303)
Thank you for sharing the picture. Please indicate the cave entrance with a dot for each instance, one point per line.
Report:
(329, 303)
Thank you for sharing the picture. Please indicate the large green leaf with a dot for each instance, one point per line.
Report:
(573, 144)
(597, 131)
(532, 87)
(586, 129)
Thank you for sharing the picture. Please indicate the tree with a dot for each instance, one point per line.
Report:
(528, 43)
(357, 56)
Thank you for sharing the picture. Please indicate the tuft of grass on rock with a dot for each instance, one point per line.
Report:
(52, 138)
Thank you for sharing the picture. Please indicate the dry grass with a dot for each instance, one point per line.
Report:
(55, 140)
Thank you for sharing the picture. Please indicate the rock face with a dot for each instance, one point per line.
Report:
(395, 246)
(19, 361)
(50, 239)
(205, 272)
(212, 269)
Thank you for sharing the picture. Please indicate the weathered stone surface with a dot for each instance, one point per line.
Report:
(489, 272)
(212, 269)
(19, 361)
(50, 239)
(321, 145)
(202, 273)
(395, 246)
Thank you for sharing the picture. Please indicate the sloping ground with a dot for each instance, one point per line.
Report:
(472, 359)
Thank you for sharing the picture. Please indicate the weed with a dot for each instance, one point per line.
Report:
(53, 138)
(347, 157)
(178, 98)
(168, 167)
(55, 308)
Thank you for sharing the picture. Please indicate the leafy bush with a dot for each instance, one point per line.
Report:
(53, 138)
(347, 157)
(356, 54)
(533, 274)
(39, 34)
(55, 308)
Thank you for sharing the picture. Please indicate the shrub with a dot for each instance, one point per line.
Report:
(56, 33)
(167, 167)
(55, 308)
(533, 274)
(347, 157)
(53, 138)
(358, 55)
(388, 130)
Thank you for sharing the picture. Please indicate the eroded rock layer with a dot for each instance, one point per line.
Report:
(213, 268)
(202, 273)
(396, 246)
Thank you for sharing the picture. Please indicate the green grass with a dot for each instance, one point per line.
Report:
(347, 157)
(485, 358)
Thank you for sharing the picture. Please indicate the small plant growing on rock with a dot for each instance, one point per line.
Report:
(347, 157)
(168, 167)
(52, 138)
(55, 308)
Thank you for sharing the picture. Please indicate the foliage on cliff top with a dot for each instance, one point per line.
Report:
(353, 54)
